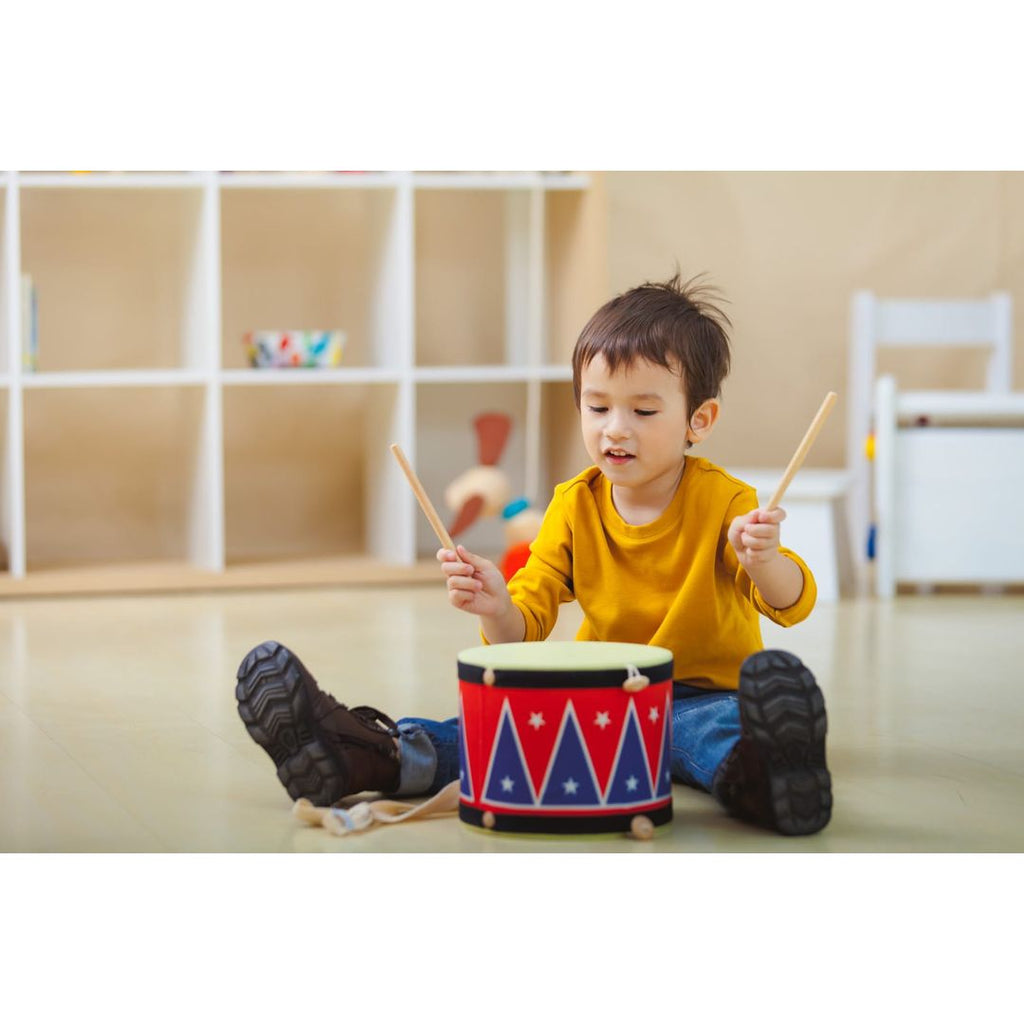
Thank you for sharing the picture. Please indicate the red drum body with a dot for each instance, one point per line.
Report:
(570, 738)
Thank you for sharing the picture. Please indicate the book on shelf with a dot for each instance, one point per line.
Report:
(29, 324)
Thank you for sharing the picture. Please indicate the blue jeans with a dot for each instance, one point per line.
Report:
(705, 726)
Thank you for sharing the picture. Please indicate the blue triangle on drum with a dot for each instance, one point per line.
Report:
(570, 781)
(507, 782)
(631, 781)
(465, 780)
(664, 785)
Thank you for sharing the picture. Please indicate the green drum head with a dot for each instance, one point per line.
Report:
(564, 655)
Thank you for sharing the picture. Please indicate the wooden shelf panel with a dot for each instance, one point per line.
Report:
(121, 277)
(463, 240)
(110, 474)
(298, 259)
(169, 577)
(296, 469)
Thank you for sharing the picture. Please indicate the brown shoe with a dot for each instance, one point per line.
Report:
(775, 776)
(323, 750)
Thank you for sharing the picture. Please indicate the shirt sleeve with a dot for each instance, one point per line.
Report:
(745, 586)
(797, 611)
(545, 581)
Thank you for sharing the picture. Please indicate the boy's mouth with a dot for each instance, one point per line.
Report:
(618, 456)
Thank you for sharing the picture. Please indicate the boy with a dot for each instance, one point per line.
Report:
(659, 547)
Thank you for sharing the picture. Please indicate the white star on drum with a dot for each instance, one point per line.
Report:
(653, 714)
(603, 719)
(507, 784)
(537, 719)
(570, 786)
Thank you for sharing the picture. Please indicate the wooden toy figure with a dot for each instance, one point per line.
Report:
(484, 491)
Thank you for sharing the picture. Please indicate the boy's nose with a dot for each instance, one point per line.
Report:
(616, 430)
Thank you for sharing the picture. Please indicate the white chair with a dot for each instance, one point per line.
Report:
(930, 323)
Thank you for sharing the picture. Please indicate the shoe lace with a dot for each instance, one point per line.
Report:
(375, 719)
(324, 704)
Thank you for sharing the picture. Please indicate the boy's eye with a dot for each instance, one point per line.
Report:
(646, 412)
(597, 408)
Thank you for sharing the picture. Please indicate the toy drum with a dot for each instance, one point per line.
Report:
(564, 737)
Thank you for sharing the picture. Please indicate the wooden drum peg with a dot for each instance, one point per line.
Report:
(641, 827)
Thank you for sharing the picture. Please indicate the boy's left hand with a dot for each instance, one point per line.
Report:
(755, 536)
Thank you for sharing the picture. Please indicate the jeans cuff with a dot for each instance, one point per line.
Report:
(418, 760)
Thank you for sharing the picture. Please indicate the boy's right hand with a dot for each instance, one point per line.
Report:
(475, 585)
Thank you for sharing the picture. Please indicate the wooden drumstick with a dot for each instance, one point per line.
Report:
(801, 452)
(421, 496)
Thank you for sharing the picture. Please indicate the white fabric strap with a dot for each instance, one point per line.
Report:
(343, 821)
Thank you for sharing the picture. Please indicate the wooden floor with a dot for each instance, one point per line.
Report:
(118, 727)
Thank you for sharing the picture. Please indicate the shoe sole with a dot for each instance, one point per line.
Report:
(273, 703)
(783, 712)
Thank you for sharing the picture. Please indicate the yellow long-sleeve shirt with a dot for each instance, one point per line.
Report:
(674, 583)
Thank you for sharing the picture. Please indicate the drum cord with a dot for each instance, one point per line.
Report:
(341, 821)
(635, 680)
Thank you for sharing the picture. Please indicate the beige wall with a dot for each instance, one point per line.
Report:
(787, 249)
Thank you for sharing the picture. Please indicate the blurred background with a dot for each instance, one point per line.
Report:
(143, 427)
(789, 249)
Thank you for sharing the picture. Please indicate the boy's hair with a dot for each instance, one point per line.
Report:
(670, 324)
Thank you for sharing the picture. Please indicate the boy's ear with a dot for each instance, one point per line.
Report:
(702, 420)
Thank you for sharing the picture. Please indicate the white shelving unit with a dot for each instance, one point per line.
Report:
(144, 453)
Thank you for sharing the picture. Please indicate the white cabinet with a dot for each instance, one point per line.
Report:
(949, 478)
(143, 452)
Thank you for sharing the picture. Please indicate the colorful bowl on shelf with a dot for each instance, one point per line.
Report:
(276, 349)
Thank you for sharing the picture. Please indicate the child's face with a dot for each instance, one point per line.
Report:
(635, 422)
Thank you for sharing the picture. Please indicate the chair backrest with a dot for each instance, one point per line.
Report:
(930, 323)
